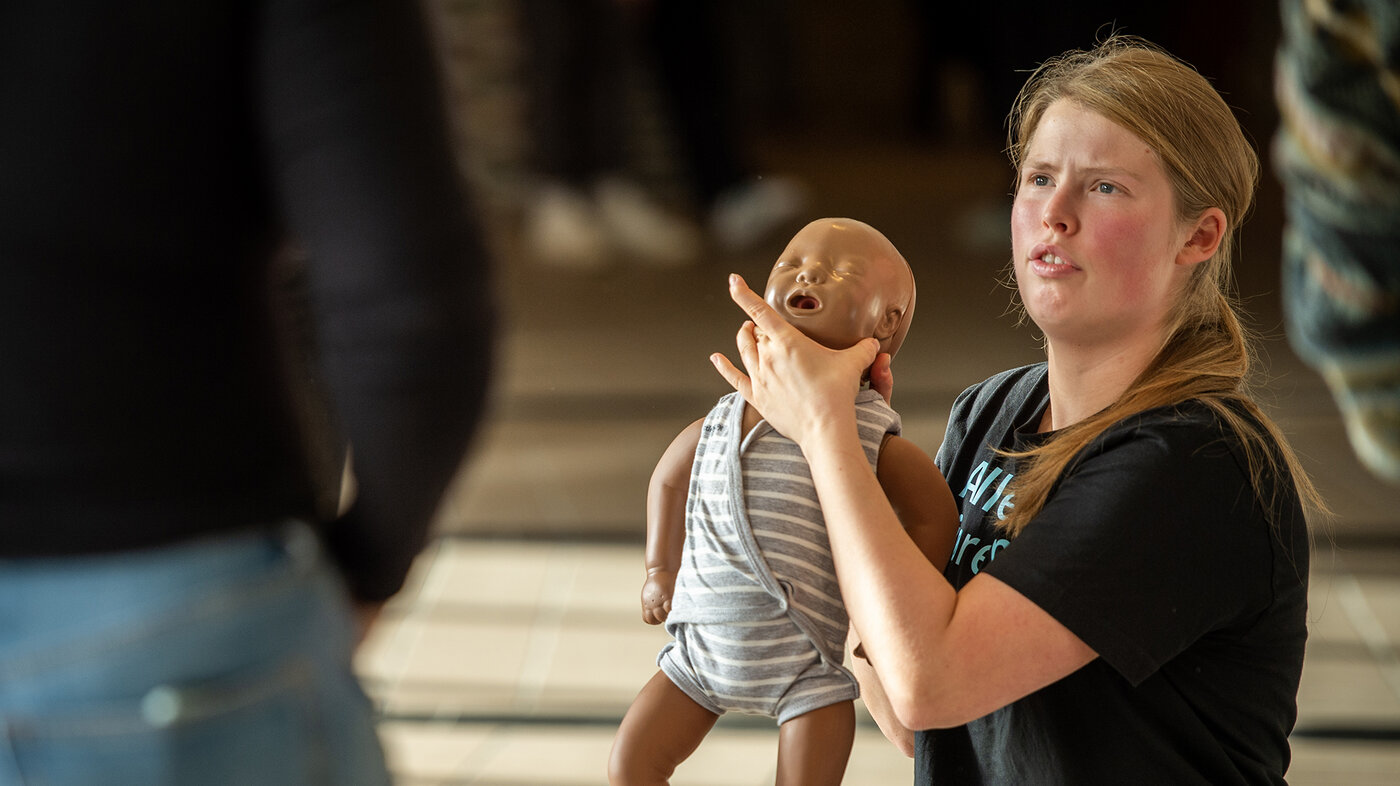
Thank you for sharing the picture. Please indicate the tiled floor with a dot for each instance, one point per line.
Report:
(518, 644)
(510, 662)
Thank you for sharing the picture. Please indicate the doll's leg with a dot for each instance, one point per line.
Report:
(813, 748)
(661, 729)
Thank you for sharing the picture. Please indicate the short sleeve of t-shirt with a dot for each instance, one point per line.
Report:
(1151, 540)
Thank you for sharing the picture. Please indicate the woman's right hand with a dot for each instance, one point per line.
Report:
(799, 386)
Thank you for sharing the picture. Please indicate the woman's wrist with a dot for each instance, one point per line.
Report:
(831, 439)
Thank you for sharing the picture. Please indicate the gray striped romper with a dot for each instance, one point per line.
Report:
(757, 618)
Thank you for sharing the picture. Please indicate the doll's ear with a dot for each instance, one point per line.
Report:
(888, 323)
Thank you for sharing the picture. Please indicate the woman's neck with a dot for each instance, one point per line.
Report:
(1085, 381)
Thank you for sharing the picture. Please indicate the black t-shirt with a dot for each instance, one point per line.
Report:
(1153, 549)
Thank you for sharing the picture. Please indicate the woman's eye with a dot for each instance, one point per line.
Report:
(1106, 188)
(1040, 180)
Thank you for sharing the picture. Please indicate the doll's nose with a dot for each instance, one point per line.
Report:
(811, 275)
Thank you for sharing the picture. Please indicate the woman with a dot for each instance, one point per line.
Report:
(1126, 599)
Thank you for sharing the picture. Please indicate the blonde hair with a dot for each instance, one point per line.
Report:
(1207, 353)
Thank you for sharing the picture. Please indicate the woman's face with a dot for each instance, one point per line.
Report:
(1094, 232)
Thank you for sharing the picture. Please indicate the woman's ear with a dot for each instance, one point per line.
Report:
(1205, 237)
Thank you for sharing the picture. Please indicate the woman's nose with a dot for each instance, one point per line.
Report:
(1059, 215)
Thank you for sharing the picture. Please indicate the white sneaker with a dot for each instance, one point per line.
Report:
(637, 225)
(563, 230)
(745, 214)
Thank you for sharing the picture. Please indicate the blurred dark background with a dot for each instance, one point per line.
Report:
(889, 111)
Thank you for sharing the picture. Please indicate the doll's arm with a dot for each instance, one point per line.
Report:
(920, 498)
(924, 503)
(670, 482)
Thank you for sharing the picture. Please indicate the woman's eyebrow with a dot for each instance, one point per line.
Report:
(1094, 171)
(1117, 173)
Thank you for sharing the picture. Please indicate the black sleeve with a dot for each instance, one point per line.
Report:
(1152, 541)
(399, 283)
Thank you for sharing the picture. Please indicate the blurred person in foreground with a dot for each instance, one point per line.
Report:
(179, 596)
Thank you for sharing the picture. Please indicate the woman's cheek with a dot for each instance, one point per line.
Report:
(1022, 227)
(1139, 265)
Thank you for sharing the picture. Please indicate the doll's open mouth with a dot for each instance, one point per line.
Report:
(801, 302)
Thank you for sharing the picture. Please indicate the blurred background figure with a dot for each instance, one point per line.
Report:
(182, 580)
(687, 42)
(588, 203)
(1338, 155)
(605, 77)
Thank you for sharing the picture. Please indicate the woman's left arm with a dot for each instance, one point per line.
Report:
(944, 657)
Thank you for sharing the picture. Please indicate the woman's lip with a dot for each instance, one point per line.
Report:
(1061, 266)
(1038, 252)
(1049, 269)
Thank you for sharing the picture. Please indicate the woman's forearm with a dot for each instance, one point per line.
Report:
(872, 693)
(898, 601)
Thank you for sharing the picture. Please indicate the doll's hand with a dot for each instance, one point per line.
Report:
(656, 596)
(799, 386)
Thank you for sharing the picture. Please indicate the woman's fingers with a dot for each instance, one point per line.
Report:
(747, 342)
(863, 353)
(760, 312)
(794, 381)
(736, 378)
(881, 377)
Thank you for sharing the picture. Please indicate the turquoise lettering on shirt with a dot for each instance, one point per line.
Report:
(1005, 504)
(961, 549)
(997, 494)
(980, 481)
(973, 480)
(988, 553)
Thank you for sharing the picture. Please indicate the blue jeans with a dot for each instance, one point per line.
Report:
(223, 661)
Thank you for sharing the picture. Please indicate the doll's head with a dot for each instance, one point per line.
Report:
(839, 281)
